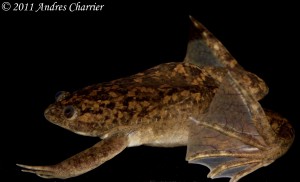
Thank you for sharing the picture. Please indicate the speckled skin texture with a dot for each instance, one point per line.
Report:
(176, 104)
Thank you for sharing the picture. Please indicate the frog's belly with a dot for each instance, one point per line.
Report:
(159, 137)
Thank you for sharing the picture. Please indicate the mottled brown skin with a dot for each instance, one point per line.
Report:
(153, 95)
(156, 108)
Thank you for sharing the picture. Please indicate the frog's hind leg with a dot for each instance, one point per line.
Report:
(204, 49)
(82, 162)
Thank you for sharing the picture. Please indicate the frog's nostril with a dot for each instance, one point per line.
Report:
(50, 112)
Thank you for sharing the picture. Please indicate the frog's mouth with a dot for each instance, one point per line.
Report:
(66, 117)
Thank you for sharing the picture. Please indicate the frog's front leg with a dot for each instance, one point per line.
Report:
(82, 162)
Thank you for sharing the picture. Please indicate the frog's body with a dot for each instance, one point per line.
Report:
(151, 108)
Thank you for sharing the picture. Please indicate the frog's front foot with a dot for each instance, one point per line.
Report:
(53, 171)
(82, 162)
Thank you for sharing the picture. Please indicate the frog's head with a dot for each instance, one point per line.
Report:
(76, 113)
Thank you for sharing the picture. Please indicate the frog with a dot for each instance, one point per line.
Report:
(208, 103)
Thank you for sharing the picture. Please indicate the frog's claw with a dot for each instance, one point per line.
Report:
(41, 171)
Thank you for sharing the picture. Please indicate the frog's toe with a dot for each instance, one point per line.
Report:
(41, 171)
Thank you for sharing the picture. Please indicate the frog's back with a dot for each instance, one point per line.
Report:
(165, 93)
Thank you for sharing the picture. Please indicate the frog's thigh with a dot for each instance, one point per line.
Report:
(83, 161)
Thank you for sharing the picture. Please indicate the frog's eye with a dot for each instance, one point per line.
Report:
(69, 112)
(61, 95)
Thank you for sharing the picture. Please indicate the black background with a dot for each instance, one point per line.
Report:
(45, 52)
